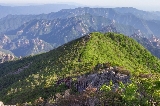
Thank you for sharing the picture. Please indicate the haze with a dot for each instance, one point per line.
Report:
(149, 5)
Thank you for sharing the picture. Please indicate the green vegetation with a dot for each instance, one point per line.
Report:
(77, 58)
(138, 93)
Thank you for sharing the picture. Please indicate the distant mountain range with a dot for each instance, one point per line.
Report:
(152, 43)
(139, 13)
(32, 9)
(82, 56)
(25, 35)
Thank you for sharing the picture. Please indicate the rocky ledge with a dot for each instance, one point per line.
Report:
(105, 76)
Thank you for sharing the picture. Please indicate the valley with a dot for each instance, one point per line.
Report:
(34, 34)
(74, 59)
(76, 56)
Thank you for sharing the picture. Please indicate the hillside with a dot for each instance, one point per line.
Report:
(38, 36)
(29, 78)
(6, 55)
(127, 16)
(139, 13)
(33, 34)
(152, 43)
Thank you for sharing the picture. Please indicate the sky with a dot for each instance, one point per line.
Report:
(140, 4)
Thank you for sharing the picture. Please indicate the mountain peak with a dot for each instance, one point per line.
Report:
(76, 58)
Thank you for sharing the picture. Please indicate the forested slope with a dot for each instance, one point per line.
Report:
(32, 77)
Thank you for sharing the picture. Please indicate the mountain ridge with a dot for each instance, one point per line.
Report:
(59, 31)
(75, 58)
(72, 24)
(32, 9)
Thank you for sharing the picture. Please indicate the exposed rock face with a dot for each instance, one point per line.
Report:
(152, 43)
(22, 43)
(110, 28)
(104, 77)
(6, 57)
(26, 44)
(4, 39)
(91, 83)
(39, 44)
(153, 40)
(137, 34)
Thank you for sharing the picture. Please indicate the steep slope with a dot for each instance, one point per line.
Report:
(57, 28)
(11, 22)
(22, 46)
(6, 55)
(33, 77)
(57, 32)
(128, 17)
(151, 43)
(139, 13)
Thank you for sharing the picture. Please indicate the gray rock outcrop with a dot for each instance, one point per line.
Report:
(104, 77)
